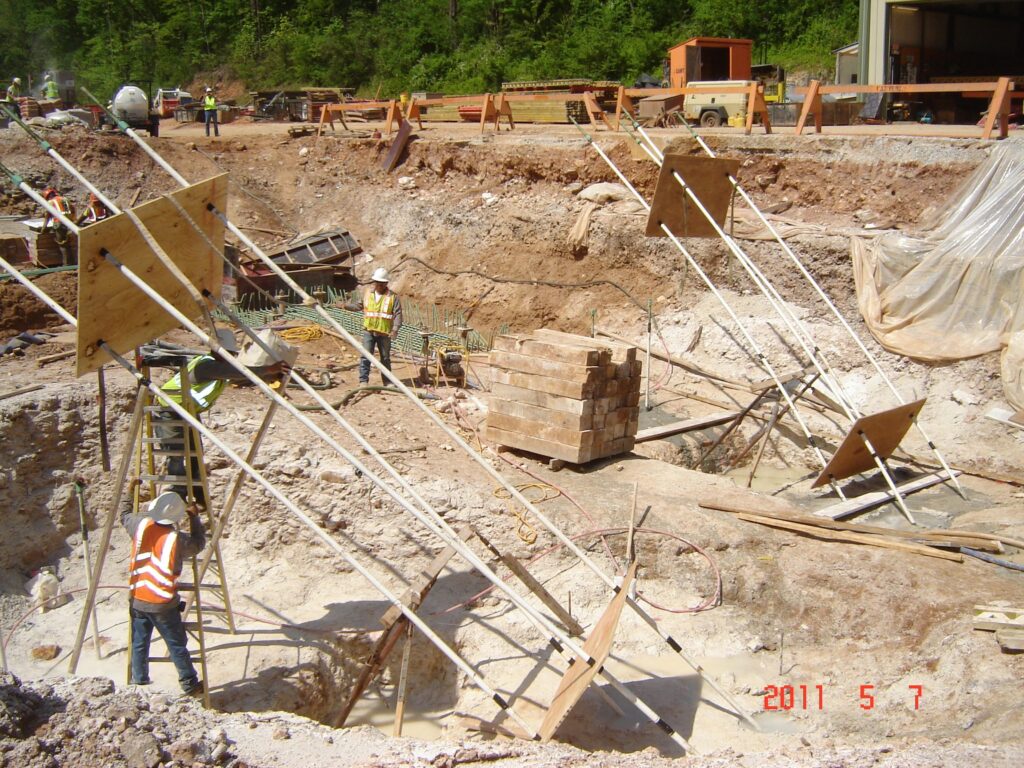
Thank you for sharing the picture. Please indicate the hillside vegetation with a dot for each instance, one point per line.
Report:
(398, 45)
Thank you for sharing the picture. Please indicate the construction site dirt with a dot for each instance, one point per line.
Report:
(846, 654)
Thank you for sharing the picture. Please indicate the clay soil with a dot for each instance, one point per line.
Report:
(482, 223)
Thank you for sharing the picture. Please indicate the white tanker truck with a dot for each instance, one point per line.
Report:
(131, 105)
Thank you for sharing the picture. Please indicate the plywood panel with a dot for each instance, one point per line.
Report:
(579, 675)
(110, 308)
(708, 177)
(885, 430)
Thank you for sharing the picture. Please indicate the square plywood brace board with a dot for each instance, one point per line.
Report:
(708, 177)
(885, 430)
(110, 307)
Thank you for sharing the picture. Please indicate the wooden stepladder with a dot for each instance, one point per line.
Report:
(174, 438)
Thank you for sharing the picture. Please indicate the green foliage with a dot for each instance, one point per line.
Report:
(397, 45)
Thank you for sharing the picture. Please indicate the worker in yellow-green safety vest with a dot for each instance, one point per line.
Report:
(210, 112)
(12, 95)
(208, 375)
(382, 317)
(50, 90)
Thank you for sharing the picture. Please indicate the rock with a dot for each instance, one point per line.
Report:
(141, 750)
(963, 398)
(605, 192)
(188, 751)
(16, 706)
(281, 733)
(45, 652)
(337, 475)
(304, 152)
(406, 182)
(489, 199)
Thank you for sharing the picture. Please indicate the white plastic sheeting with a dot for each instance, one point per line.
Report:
(954, 290)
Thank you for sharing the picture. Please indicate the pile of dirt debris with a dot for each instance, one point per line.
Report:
(20, 310)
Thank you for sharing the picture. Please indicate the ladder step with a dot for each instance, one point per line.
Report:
(182, 454)
(191, 588)
(191, 626)
(165, 659)
(172, 480)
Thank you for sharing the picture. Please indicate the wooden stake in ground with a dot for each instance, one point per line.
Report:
(403, 680)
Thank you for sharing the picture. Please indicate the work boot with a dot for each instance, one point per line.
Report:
(196, 691)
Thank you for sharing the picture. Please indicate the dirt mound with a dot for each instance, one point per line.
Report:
(22, 311)
(86, 721)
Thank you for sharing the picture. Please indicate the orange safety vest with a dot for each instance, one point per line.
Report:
(97, 212)
(154, 550)
(378, 312)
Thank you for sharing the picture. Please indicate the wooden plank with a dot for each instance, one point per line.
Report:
(552, 351)
(534, 586)
(541, 430)
(577, 421)
(510, 361)
(933, 537)
(547, 400)
(580, 675)
(856, 538)
(397, 145)
(620, 351)
(21, 391)
(568, 453)
(107, 300)
(561, 387)
(708, 178)
(885, 430)
(689, 425)
(877, 498)
(990, 618)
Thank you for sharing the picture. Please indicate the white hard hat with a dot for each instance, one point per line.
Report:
(380, 275)
(17, 80)
(209, 89)
(226, 337)
(47, 76)
(167, 509)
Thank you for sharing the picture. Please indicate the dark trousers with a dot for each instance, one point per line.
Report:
(172, 438)
(383, 345)
(168, 623)
(210, 116)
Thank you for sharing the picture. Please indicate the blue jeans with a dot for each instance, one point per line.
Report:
(210, 116)
(383, 345)
(172, 630)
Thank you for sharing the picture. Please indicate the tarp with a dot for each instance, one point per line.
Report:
(954, 289)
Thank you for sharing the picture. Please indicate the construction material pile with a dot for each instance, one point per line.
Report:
(567, 397)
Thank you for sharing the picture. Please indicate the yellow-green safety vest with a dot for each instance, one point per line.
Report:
(204, 393)
(209, 102)
(50, 90)
(378, 312)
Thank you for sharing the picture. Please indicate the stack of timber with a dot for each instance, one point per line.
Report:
(567, 397)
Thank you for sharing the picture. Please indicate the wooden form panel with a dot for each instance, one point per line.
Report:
(580, 675)
(884, 430)
(113, 310)
(708, 177)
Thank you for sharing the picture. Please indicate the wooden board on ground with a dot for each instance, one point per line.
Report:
(877, 498)
(561, 419)
(541, 399)
(397, 145)
(569, 453)
(113, 310)
(708, 178)
(620, 351)
(688, 425)
(885, 430)
(991, 618)
(580, 675)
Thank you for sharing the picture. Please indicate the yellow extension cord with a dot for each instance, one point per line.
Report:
(526, 532)
(302, 333)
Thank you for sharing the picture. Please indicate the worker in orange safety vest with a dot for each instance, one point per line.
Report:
(96, 211)
(159, 549)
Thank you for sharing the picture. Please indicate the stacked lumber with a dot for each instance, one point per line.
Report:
(567, 397)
